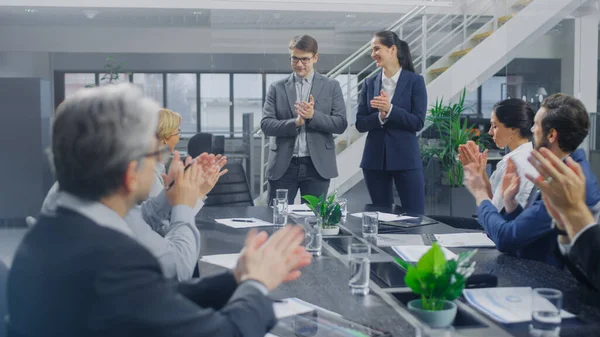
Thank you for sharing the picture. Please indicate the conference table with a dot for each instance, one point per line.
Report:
(325, 282)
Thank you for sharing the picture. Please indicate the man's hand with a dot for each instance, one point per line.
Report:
(556, 219)
(563, 189)
(306, 110)
(382, 103)
(299, 121)
(510, 186)
(275, 260)
(212, 173)
(475, 183)
(185, 188)
(176, 165)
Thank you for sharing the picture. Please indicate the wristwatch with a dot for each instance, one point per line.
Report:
(557, 230)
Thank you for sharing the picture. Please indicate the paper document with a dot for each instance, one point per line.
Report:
(224, 260)
(505, 305)
(243, 222)
(414, 253)
(389, 240)
(388, 216)
(291, 307)
(464, 240)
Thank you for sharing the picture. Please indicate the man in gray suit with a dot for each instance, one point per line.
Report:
(301, 114)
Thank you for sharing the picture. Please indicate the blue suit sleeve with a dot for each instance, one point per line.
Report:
(365, 119)
(413, 120)
(512, 235)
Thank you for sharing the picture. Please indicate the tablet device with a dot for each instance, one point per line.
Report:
(322, 324)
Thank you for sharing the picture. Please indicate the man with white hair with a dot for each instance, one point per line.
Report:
(80, 273)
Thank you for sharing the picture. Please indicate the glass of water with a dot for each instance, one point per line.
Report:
(370, 224)
(279, 212)
(359, 257)
(546, 305)
(313, 239)
(281, 193)
(343, 202)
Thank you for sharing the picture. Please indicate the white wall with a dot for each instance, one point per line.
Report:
(25, 64)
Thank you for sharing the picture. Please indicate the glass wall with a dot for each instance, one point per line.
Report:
(247, 97)
(182, 98)
(74, 82)
(152, 85)
(215, 103)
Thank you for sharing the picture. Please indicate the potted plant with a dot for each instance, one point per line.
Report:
(438, 282)
(445, 119)
(328, 210)
(112, 72)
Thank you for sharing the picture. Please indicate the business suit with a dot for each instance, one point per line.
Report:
(285, 168)
(392, 150)
(527, 232)
(72, 277)
(582, 258)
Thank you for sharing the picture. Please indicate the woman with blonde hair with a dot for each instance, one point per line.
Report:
(168, 133)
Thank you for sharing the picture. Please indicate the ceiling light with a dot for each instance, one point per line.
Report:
(31, 10)
(351, 16)
(197, 13)
(90, 13)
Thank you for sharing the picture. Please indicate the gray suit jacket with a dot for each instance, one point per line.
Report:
(279, 123)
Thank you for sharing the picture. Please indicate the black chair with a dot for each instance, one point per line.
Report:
(218, 145)
(200, 143)
(457, 222)
(232, 189)
(3, 294)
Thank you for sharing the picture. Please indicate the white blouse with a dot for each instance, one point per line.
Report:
(520, 157)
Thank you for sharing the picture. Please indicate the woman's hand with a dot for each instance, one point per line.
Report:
(382, 103)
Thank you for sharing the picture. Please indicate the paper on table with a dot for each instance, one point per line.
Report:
(224, 260)
(388, 216)
(464, 240)
(414, 253)
(290, 307)
(252, 222)
(505, 305)
(388, 240)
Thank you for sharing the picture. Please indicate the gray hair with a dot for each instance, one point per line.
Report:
(97, 132)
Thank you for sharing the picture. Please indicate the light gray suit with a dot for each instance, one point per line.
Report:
(279, 123)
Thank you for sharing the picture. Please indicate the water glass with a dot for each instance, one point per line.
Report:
(279, 212)
(281, 193)
(370, 224)
(343, 202)
(546, 305)
(313, 239)
(359, 257)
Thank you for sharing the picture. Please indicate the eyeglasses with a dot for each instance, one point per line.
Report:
(304, 60)
(162, 154)
(178, 133)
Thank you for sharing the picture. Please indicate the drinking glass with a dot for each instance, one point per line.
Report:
(370, 224)
(313, 239)
(546, 305)
(279, 212)
(343, 202)
(359, 257)
(281, 193)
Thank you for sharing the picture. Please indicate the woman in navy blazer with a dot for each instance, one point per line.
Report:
(392, 106)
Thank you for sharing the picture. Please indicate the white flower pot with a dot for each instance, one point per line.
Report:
(330, 231)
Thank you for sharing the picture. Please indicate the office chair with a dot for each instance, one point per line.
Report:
(3, 301)
(200, 143)
(232, 189)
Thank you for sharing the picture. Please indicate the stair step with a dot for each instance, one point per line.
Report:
(461, 52)
(505, 18)
(438, 70)
(521, 3)
(482, 36)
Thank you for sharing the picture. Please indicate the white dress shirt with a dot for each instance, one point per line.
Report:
(520, 157)
(388, 85)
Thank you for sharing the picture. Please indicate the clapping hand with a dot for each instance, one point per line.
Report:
(382, 103)
(469, 154)
(306, 110)
(511, 183)
(475, 182)
(185, 187)
(272, 261)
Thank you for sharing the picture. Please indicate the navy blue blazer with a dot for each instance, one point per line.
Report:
(396, 140)
(528, 233)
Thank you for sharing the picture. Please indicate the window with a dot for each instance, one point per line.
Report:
(272, 78)
(491, 93)
(247, 97)
(152, 85)
(471, 103)
(215, 103)
(119, 78)
(181, 98)
(74, 82)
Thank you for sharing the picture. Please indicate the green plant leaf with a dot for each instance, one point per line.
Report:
(415, 279)
(402, 263)
(433, 261)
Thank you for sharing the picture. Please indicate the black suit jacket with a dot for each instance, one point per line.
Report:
(583, 258)
(73, 278)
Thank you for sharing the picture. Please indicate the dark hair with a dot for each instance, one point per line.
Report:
(305, 43)
(568, 116)
(389, 39)
(515, 113)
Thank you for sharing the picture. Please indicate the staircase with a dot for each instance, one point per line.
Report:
(476, 39)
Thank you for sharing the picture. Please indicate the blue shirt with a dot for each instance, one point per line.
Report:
(528, 232)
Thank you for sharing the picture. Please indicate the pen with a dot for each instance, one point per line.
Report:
(185, 169)
(242, 220)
